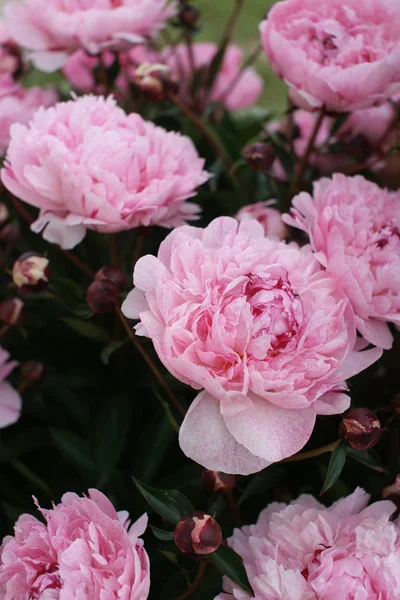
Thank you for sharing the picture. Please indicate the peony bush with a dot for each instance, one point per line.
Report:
(199, 301)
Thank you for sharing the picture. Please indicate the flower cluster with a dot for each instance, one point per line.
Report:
(85, 549)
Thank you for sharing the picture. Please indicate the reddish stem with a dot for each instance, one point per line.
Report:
(193, 587)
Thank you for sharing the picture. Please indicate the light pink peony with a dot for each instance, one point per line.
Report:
(260, 327)
(10, 400)
(232, 92)
(88, 165)
(269, 218)
(53, 29)
(341, 54)
(85, 550)
(354, 227)
(305, 551)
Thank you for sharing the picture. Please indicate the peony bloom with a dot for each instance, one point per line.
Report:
(305, 551)
(260, 327)
(341, 54)
(354, 227)
(10, 400)
(232, 92)
(88, 165)
(53, 29)
(84, 550)
(269, 218)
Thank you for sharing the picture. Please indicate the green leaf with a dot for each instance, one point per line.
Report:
(161, 534)
(171, 505)
(74, 449)
(335, 467)
(231, 564)
(85, 329)
(369, 458)
(109, 350)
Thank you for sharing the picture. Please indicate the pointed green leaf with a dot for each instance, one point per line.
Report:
(161, 534)
(369, 458)
(171, 505)
(335, 467)
(231, 564)
(85, 328)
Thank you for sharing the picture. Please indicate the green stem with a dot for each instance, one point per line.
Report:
(301, 167)
(311, 453)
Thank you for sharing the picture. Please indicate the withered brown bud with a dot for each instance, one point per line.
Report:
(32, 372)
(197, 535)
(4, 214)
(216, 480)
(11, 311)
(154, 81)
(102, 296)
(259, 156)
(31, 272)
(113, 274)
(188, 15)
(361, 428)
(10, 233)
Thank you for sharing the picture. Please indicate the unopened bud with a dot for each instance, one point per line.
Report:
(113, 274)
(197, 535)
(259, 156)
(31, 272)
(361, 428)
(154, 81)
(4, 214)
(11, 311)
(32, 372)
(188, 15)
(10, 233)
(102, 296)
(216, 481)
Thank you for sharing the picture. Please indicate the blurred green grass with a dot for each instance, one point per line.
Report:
(214, 16)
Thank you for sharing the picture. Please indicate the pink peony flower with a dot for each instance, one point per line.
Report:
(305, 551)
(269, 218)
(341, 54)
(260, 327)
(354, 227)
(84, 550)
(86, 164)
(53, 29)
(10, 400)
(228, 89)
(18, 105)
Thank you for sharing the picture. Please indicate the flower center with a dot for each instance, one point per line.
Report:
(47, 579)
(389, 234)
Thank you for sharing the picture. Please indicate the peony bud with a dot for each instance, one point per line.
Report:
(216, 480)
(32, 372)
(4, 214)
(361, 428)
(259, 156)
(11, 311)
(197, 535)
(102, 296)
(116, 276)
(153, 80)
(10, 233)
(188, 15)
(31, 272)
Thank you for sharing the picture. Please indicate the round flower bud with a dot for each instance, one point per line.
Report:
(153, 80)
(197, 535)
(216, 481)
(360, 428)
(188, 15)
(113, 274)
(10, 233)
(32, 371)
(4, 214)
(259, 156)
(31, 272)
(102, 296)
(11, 311)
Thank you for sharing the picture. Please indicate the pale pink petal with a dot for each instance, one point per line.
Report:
(10, 405)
